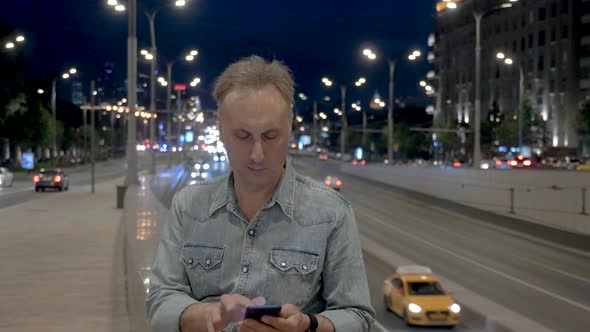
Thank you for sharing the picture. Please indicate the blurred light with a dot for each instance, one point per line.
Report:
(508, 61)
(137, 113)
(180, 3)
(149, 56)
(143, 52)
(455, 308)
(109, 108)
(498, 162)
(73, 71)
(161, 79)
(336, 111)
(451, 5)
(164, 83)
(513, 163)
(40, 91)
(204, 175)
(205, 166)
(189, 58)
(377, 100)
(382, 104)
(120, 8)
(357, 83)
(112, 2)
(412, 57)
(423, 83)
(527, 163)
(326, 98)
(94, 93)
(367, 52)
(417, 53)
(193, 84)
(299, 118)
(428, 88)
(372, 56)
(124, 100)
(194, 175)
(65, 75)
(20, 39)
(362, 80)
(194, 52)
(9, 45)
(500, 55)
(456, 164)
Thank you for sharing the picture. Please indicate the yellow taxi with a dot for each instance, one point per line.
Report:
(415, 294)
(584, 166)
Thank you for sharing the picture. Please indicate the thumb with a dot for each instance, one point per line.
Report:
(288, 310)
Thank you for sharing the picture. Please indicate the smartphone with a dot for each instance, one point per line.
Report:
(256, 312)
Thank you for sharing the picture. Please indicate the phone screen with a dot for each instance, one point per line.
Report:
(256, 312)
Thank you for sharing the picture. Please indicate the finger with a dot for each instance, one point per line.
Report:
(210, 327)
(288, 310)
(252, 325)
(276, 322)
(260, 300)
(216, 319)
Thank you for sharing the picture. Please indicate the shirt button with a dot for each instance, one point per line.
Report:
(190, 260)
(283, 264)
(245, 269)
(251, 232)
(304, 267)
(208, 262)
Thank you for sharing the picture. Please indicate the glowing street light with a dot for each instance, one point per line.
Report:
(9, 45)
(20, 39)
(120, 8)
(40, 91)
(112, 2)
(72, 71)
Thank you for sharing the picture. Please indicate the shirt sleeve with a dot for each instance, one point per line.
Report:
(170, 291)
(346, 288)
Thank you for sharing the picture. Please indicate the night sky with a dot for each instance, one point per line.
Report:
(315, 38)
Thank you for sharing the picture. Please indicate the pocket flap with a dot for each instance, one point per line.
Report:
(207, 256)
(302, 261)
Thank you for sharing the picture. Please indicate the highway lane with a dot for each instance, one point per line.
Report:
(545, 283)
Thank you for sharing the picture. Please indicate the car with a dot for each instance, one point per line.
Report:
(53, 178)
(323, 156)
(6, 177)
(584, 166)
(361, 162)
(416, 295)
(333, 182)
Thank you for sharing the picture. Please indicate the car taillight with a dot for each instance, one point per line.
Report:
(457, 164)
(527, 163)
(499, 162)
(57, 178)
(354, 162)
(338, 183)
(327, 182)
(363, 163)
(513, 163)
(36, 178)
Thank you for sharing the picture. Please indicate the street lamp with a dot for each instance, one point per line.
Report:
(65, 75)
(413, 56)
(509, 62)
(327, 82)
(478, 15)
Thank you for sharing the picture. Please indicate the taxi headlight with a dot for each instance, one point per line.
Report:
(414, 308)
(455, 308)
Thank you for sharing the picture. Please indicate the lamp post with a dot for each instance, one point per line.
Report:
(478, 15)
(413, 56)
(64, 76)
(344, 131)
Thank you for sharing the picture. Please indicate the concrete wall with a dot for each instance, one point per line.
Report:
(549, 197)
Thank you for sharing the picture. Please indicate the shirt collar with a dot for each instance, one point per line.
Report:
(284, 195)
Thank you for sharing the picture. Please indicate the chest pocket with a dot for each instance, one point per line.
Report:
(293, 276)
(204, 267)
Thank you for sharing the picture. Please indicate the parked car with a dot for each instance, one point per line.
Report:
(6, 177)
(53, 178)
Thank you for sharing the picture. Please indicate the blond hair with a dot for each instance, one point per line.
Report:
(255, 72)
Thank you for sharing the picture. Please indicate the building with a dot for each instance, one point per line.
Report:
(547, 40)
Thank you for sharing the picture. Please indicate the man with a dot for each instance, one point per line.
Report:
(263, 234)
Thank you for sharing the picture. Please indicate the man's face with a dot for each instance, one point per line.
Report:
(256, 129)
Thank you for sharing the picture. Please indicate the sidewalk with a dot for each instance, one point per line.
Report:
(62, 264)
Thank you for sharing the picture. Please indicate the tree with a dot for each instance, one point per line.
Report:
(533, 124)
(583, 119)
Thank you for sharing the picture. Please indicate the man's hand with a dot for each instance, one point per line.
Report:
(291, 320)
(213, 317)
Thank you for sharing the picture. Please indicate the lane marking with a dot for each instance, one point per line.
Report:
(471, 261)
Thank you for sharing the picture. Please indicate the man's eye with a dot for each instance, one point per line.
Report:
(270, 136)
(242, 135)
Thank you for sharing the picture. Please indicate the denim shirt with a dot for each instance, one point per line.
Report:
(301, 248)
